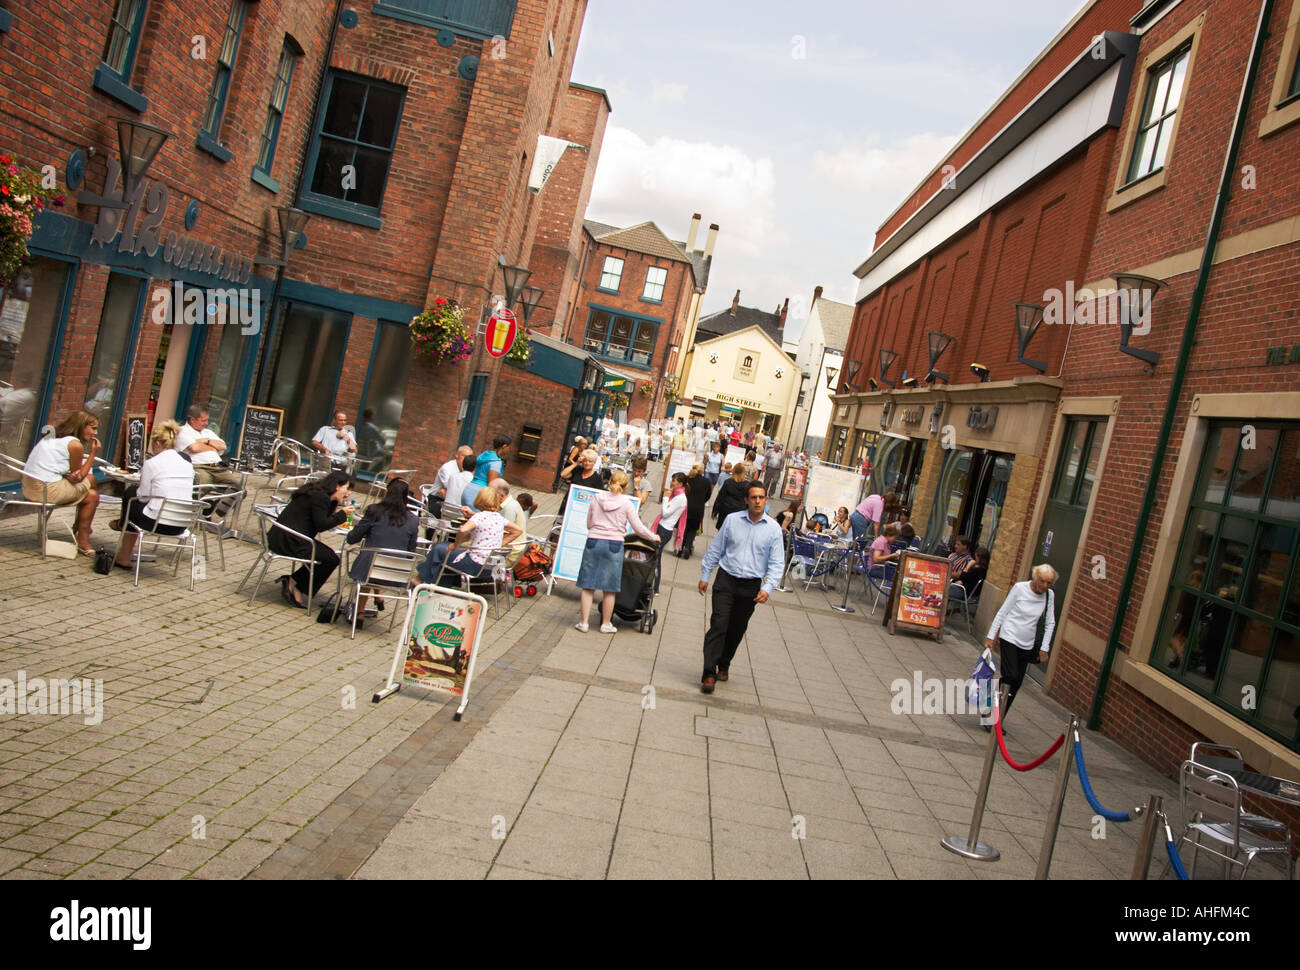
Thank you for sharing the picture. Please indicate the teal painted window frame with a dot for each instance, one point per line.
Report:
(638, 320)
(402, 10)
(115, 80)
(270, 138)
(332, 206)
(617, 277)
(6, 21)
(214, 111)
(1201, 597)
(662, 285)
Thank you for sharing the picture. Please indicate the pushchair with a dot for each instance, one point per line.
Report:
(635, 600)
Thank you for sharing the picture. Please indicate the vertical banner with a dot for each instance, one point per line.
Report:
(439, 643)
(573, 532)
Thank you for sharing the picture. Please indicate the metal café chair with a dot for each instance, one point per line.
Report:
(15, 500)
(177, 513)
(881, 579)
(267, 522)
(392, 569)
(957, 596)
(1228, 758)
(223, 526)
(495, 564)
(1211, 801)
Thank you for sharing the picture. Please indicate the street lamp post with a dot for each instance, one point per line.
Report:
(292, 222)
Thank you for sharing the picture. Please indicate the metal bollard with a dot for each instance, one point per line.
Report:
(1146, 845)
(1053, 826)
(848, 582)
(970, 846)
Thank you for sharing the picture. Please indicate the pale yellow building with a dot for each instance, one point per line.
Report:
(741, 376)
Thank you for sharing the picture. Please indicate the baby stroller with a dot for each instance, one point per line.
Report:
(635, 600)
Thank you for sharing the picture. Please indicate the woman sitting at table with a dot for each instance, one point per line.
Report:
(167, 474)
(880, 553)
(58, 472)
(973, 574)
(841, 528)
(312, 509)
(385, 525)
(487, 530)
(787, 518)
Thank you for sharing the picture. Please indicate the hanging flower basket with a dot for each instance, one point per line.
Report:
(21, 199)
(647, 388)
(521, 351)
(440, 333)
(618, 401)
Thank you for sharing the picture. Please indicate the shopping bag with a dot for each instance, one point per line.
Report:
(979, 689)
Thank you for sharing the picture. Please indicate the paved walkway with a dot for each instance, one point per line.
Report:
(240, 741)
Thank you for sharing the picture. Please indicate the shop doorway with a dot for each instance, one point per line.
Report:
(898, 467)
(969, 500)
(303, 364)
(1067, 502)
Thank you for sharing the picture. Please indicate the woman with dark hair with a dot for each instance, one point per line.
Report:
(389, 524)
(490, 466)
(58, 472)
(671, 515)
(640, 484)
(312, 509)
(731, 496)
(698, 490)
(787, 518)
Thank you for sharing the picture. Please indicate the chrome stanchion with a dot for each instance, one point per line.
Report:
(970, 846)
(1053, 825)
(848, 582)
(1146, 845)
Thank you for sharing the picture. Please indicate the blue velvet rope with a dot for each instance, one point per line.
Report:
(1087, 788)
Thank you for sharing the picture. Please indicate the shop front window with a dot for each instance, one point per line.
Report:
(31, 308)
(995, 497)
(945, 514)
(381, 409)
(1231, 625)
(225, 374)
(303, 367)
(114, 344)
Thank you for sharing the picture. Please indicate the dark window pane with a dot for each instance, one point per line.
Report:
(1279, 703)
(1243, 663)
(224, 375)
(29, 310)
(1273, 550)
(1291, 608)
(1251, 476)
(597, 332)
(379, 124)
(1175, 631)
(1284, 493)
(343, 114)
(1198, 537)
(372, 173)
(1206, 647)
(621, 337)
(1075, 432)
(115, 325)
(997, 496)
(645, 343)
(328, 179)
(308, 351)
(1226, 572)
(386, 393)
(1220, 451)
(1090, 467)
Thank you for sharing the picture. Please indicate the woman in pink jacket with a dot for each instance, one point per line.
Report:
(608, 519)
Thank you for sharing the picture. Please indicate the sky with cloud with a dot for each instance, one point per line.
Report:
(798, 128)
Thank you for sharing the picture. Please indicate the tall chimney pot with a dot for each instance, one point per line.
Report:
(692, 233)
(713, 237)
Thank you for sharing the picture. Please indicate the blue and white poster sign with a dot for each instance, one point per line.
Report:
(573, 532)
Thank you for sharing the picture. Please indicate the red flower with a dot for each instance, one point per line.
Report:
(4, 159)
(439, 301)
(4, 189)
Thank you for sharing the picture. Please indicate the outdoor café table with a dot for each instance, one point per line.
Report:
(1265, 786)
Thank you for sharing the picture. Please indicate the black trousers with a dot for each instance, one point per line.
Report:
(327, 560)
(693, 521)
(733, 605)
(1015, 662)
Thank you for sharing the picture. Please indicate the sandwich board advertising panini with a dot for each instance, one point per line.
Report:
(919, 599)
(438, 646)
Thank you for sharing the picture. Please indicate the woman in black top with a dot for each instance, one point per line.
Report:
(974, 574)
(386, 525)
(731, 496)
(312, 509)
(698, 490)
(581, 471)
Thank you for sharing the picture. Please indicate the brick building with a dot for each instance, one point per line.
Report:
(635, 296)
(1118, 137)
(407, 133)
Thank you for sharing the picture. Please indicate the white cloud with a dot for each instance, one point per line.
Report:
(668, 179)
(667, 93)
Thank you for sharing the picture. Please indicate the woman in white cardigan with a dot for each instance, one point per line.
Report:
(1016, 627)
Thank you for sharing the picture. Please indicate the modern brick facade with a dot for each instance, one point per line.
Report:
(1182, 672)
(455, 200)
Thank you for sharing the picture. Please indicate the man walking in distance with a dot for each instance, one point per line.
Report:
(750, 552)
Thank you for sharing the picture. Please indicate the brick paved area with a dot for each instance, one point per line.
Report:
(227, 749)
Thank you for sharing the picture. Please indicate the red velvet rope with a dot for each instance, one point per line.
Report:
(1002, 744)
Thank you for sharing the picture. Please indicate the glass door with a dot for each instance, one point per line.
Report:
(303, 364)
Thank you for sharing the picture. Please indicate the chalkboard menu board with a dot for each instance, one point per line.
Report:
(135, 441)
(261, 428)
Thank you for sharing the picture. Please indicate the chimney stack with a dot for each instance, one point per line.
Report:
(713, 237)
(735, 303)
(784, 311)
(694, 231)
(817, 295)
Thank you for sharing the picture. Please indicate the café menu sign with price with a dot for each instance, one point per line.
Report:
(920, 594)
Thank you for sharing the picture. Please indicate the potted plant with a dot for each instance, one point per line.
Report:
(521, 351)
(440, 332)
(21, 200)
(618, 401)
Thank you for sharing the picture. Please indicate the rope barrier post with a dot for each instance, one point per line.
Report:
(971, 847)
(844, 606)
(1053, 826)
(1146, 844)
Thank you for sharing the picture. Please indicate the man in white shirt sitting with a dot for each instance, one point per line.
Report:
(446, 473)
(334, 440)
(204, 449)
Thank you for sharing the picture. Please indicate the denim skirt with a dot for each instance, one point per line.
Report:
(602, 565)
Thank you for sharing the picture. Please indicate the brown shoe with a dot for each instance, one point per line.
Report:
(724, 676)
(707, 684)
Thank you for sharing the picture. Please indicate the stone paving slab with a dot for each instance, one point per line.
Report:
(238, 740)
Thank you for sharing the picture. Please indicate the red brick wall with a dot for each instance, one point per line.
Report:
(528, 398)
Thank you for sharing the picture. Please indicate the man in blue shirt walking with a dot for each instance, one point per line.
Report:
(750, 551)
